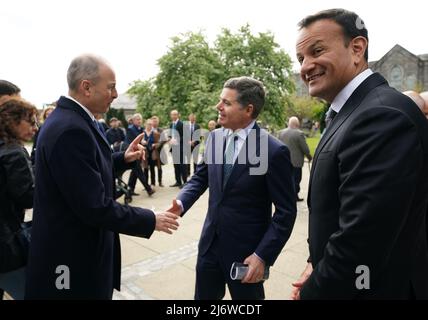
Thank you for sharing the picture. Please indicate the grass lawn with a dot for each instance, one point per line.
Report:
(313, 142)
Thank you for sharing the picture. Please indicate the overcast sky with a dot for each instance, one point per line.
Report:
(39, 38)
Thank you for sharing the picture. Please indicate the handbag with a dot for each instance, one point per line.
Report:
(14, 246)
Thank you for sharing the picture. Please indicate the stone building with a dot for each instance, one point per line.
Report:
(125, 102)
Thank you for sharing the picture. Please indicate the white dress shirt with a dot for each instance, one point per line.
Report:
(348, 90)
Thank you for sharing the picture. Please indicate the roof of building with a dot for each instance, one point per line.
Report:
(124, 101)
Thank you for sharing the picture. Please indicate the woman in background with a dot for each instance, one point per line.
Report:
(18, 119)
(45, 115)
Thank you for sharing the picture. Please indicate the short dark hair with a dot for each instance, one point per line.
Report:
(352, 25)
(250, 91)
(8, 88)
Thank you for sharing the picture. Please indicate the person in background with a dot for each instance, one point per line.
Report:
(148, 141)
(137, 172)
(158, 153)
(115, 135)
(212, 125)
(18, 125)
(8, 90)
(178, 152)
(45, 114)
(295, 140)
(195, 140)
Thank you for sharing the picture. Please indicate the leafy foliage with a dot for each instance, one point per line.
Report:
(192, 75)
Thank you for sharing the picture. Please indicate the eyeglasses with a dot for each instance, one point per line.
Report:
(33, 123)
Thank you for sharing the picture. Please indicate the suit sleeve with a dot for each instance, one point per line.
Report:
(77, 175)
(281, 189)
(379, 160)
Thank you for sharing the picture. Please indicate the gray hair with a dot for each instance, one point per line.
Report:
(84, 67)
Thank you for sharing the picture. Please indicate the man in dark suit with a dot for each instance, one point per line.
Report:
(368, 187)
(195, 139)
(178, 149)
(115, 135)
(75, 248)
(295, 140)
(246, 171)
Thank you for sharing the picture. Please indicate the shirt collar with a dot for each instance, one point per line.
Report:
(340, 100)
(83, 107)
(241, 133)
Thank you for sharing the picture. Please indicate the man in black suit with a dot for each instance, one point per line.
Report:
(75, 248)
(368, 187)
(247, 172)
(195, 139)
(178, 149)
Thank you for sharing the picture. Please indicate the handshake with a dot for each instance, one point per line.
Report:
(167, 221)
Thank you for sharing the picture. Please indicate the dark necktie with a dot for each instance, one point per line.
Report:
(329, 117)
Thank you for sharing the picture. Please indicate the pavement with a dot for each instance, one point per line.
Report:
(163, 267)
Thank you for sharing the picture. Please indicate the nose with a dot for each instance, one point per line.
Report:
(114, 93)
(306, 67)
(219, 106)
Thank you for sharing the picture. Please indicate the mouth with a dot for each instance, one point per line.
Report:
(314, 76)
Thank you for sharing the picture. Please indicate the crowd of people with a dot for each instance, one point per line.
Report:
(367, 195)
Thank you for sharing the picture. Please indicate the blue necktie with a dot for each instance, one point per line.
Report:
(100, 127)
(228, 158)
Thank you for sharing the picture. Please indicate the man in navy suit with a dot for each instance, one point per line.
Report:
(75, 248)
(368, 186)
(246, 171)
(179, 149)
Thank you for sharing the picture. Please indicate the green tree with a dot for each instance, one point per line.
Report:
(190, 77)
(305, 108)
(148, 101)
(259, 57)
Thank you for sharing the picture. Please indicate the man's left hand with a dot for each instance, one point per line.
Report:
(135, 150)
(256, 269)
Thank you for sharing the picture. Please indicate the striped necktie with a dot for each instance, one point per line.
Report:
(228, 158)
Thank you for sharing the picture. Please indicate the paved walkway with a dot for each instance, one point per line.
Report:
(163, 267)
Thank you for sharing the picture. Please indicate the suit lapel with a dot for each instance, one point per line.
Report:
(348, 108)
(71, 105)
(247, 152)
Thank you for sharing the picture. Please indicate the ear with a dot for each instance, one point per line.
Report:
(358, 46)
(250, 109)
(85, 86)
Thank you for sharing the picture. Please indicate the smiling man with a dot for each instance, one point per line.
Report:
(368, 188)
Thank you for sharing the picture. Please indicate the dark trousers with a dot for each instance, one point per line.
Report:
(190, 171)
(160, 174)
(297, 176)
(180, 168)
(137, 172)
(212, 276)
(180, 171)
